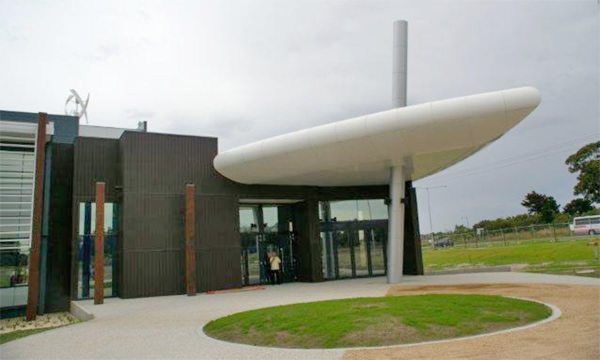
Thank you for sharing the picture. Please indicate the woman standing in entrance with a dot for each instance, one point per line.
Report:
(275, 262)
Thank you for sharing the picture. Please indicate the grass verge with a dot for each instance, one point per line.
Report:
(17, 327)
(375, 321)
(568, 257)
(14, 335)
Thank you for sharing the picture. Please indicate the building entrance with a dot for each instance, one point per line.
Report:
(353, 238)
(266, 230)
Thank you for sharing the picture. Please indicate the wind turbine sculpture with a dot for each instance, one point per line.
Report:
(80, 108)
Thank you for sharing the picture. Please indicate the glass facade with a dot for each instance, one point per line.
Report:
(17, 174)
(86, 249)
(14, 277)
(353, 238)
(264, 230)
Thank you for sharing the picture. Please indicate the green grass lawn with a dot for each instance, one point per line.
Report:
(375, 321)
(14, 335)
(550, 257)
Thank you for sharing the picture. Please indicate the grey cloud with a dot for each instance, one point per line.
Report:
(244, 71)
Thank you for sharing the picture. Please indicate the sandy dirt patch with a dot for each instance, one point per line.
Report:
(575, 335)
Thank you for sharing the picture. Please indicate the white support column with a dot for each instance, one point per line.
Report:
(395, 245)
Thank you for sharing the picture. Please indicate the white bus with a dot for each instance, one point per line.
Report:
(586, 225)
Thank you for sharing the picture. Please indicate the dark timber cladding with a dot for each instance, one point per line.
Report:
(147, 174)
(99, 245)
(95, 160)
(36, 234)
(155, 169)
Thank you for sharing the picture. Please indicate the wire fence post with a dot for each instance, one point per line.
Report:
(492, 237)
(570, 230)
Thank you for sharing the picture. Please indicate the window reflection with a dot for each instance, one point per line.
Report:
(348, 210)
(353, 238)
(14, 277)
(86, 249)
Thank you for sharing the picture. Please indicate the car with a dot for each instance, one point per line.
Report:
(586, 225)
(444, 242)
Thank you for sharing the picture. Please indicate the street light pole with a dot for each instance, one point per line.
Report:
(429, 208)
(466, 218)
(430, 221)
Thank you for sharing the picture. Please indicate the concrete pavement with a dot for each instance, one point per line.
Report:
(169, 327)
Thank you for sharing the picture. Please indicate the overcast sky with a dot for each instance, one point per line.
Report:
(247, 70)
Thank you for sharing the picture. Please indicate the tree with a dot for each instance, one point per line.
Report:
(459, 229)
(578, 207)
(542, 205)
(586, 162)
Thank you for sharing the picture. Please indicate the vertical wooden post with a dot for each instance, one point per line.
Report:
(99, 246)
(36, 229)
(190, 231)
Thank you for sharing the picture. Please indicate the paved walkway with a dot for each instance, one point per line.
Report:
(170, 327)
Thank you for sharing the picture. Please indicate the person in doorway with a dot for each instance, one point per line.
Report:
(275, 262)
(13, 279)
(266, 264)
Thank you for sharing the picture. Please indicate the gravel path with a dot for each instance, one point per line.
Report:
(575, 335)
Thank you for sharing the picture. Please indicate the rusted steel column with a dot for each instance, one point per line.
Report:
(99, 246)
(36, 229)
(190, 248)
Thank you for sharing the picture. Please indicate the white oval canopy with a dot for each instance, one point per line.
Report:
(424, 138)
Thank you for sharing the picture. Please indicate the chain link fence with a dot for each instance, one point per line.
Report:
(505, 237)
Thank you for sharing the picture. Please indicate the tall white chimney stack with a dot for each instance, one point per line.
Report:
(399, 63)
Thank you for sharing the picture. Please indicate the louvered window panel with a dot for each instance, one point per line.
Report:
(17, 179)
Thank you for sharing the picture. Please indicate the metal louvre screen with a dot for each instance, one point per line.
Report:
(17, 174)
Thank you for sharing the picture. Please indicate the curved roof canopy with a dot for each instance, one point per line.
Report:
(424, 138)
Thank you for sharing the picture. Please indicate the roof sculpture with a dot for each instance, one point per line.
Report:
(424, 139)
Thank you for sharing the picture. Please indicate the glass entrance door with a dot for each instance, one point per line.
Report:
(353, 249)
(265, 231)
(353, 238)
(252, 271)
